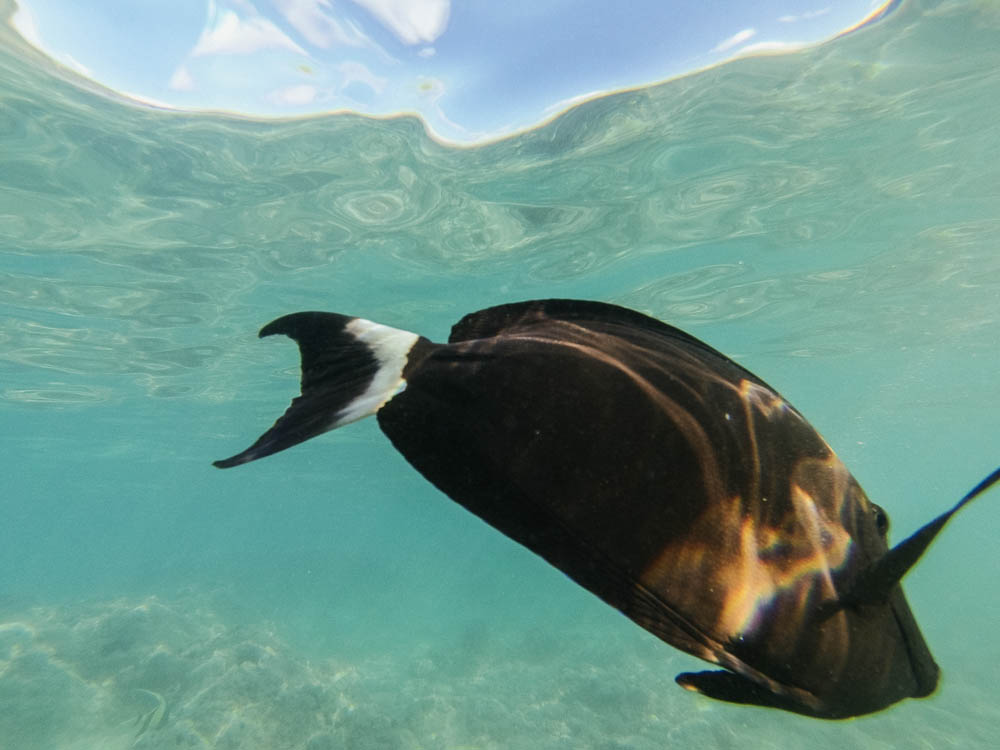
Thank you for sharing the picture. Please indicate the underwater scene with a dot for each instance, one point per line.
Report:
(828, 218)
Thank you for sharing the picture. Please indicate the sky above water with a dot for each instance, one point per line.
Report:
(472, 70)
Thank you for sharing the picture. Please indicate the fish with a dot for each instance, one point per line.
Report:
(153, 718)
(655, 472)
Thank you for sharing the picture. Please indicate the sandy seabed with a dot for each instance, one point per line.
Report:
(178, 673)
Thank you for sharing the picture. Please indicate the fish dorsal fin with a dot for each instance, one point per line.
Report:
(494, 320)
(877, 581)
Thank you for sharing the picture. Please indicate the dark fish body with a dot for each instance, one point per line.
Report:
(652, 470)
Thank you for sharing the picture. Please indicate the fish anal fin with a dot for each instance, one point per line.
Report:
(735, 688)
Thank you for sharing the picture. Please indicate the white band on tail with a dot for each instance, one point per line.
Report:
(390, 347)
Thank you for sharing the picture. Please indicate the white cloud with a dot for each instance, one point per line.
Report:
(24, 22)
(311, 19)
(738, 38)
(148, 100)
(565, 104)
(246, 5)
(355, 72)
(427, 52)
(181, 80)
(78, 66)
(413, 21)
(232, 35)
(766, 47)
(807, 16)
(294, 95)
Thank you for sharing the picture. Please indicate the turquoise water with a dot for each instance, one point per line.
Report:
(831, 218)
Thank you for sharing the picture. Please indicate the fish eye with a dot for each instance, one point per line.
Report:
(881, 520)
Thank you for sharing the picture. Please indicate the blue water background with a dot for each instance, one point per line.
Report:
(830, 218)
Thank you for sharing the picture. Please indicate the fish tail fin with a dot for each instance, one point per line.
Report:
(350, 368)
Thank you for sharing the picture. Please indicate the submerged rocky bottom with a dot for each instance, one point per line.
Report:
(189, 673)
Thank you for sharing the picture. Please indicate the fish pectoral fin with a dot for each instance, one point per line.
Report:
(734, 688)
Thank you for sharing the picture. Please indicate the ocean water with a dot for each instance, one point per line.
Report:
(830, 218)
